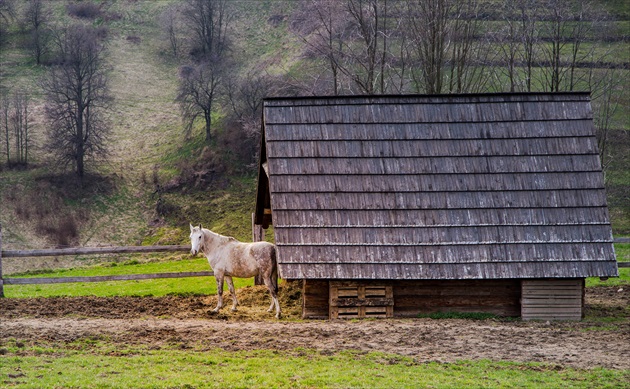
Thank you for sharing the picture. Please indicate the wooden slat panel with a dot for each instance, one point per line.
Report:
(551, 299)
(438, 182)
(432, 148)
(423, 113)
(452, 235)
(435, 165)
(439, 200)
(442, 217)
(360, 299)
(427, 131)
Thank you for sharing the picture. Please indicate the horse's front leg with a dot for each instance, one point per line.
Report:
(219, 278)
(228, 279)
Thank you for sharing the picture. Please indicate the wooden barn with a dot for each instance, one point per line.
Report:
(393, 206)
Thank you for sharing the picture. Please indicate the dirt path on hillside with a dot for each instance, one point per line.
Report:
(185, 322)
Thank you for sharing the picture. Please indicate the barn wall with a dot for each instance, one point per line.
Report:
(411, 298)
(499, 297)
(315, 299)
(552, 299)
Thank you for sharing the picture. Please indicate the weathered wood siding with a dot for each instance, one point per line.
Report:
(552, 299)
(494, 186)
(315, 299)
(409, 298)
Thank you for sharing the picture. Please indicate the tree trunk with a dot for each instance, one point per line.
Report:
(208, 118)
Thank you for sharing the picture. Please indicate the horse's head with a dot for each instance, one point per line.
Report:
(196, 239)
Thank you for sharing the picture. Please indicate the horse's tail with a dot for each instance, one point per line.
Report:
(274, 269)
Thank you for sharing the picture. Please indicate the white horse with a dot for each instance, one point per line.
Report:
(231, 258)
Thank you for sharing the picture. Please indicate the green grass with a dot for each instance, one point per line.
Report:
(622, 280)
(156, 287)
(93, 363)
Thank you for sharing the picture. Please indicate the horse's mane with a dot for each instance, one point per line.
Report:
(221, 237)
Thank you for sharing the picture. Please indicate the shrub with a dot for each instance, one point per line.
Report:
(84, 10)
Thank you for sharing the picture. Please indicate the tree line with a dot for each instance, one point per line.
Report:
(348, 47)
(398, 46)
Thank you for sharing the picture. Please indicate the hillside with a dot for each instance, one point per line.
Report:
(156, 179)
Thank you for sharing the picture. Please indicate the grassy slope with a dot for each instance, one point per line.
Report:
(147, 133)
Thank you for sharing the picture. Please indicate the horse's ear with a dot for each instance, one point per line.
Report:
(200, 227)
(191, 227)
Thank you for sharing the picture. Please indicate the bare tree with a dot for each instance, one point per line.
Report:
(35, 18)
(5, 108)
(20, 120)
(197, 91)
(428, 26)
(7, 14)
(77, 94)
(322, 27)
(170, 24)
(351, 36)
(566, 29)
(208, 22)
(442, 48)
(529, 11)
(199, 82)
(16, 122)
(507, 41)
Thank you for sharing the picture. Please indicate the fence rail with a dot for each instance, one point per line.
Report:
(92, 251)
(118, 250)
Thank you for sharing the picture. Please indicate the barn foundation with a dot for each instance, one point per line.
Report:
(551, 299)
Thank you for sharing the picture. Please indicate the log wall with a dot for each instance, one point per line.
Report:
(411, 298)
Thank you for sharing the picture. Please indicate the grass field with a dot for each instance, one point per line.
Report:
(94, 364)
(97, 362)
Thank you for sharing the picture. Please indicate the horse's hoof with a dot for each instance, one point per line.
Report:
(233, 309)
(278, 316)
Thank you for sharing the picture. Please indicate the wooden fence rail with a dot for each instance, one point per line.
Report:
(92, 251)
(117, 250)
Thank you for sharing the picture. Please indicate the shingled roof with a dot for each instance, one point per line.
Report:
(435, 187)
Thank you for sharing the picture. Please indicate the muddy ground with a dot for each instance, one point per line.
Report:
(186, 322)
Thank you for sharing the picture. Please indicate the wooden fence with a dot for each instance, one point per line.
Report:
(92, 251)
(119, 250)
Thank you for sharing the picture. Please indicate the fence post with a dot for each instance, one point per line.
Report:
(1, 281)
(258, 234)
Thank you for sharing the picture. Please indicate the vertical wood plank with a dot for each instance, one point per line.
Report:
(258, 235)
(361, 295)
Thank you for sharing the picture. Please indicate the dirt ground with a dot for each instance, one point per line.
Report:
(187, 322)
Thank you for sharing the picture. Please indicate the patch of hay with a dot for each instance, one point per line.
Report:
(253, 302)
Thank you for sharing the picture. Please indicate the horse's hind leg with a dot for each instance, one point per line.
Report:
(228, 279)
(274, 297)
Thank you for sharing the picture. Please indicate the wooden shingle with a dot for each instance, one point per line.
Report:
(488, 186)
